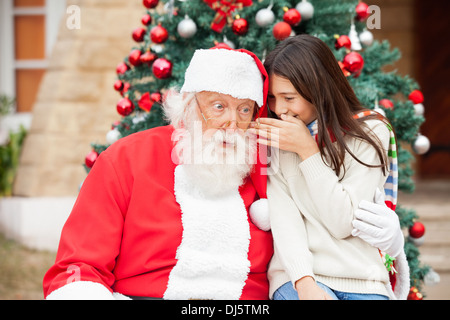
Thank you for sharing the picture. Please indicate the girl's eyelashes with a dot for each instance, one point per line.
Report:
(271, 96)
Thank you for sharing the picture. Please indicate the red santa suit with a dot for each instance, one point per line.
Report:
(127, 225)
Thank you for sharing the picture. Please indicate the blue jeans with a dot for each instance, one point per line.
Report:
(287, 292)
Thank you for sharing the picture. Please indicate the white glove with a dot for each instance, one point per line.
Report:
(379, 226)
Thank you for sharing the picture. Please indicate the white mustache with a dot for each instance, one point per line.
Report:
(228, 136)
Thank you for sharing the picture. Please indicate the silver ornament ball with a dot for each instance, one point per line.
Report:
(187, 28)
(306, 9)
(112, 136)
(421, 145)
(264, 17)
(366, 38)
(419, 109)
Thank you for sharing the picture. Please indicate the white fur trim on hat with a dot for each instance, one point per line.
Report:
(259, 213)
(224, 71)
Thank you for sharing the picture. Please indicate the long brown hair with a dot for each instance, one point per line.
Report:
(311, 67)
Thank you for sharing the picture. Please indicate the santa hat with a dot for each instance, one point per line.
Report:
(231, 72)
(240, 74)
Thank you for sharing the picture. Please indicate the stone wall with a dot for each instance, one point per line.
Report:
(76, 102)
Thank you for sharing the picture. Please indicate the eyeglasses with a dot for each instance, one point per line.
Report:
(219, 123)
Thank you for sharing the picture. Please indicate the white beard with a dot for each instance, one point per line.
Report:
(219, 163)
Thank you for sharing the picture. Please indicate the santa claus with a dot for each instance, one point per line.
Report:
(165, 213)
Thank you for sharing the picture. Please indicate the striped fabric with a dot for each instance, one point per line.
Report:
(391, 185)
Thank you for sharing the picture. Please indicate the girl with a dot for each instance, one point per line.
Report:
(332, 155)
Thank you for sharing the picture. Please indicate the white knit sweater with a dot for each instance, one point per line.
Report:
(311, 215)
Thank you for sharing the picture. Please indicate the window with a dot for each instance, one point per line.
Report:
(28, 32)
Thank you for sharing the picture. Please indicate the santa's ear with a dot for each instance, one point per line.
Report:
(176, 107)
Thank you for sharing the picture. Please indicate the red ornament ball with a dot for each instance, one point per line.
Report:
(150, 4)
(122, 68)
(162, 68)
(293, 17)
(240, 26)
(135, 57)
(344, 71)
(146, 19)
(90, 159)
(159, 34)
(139, 34)
(416, 96)
(148, 57)
(156, 97)
(343, 42)
(281, 30)
(361, 11)
(118, 85)
(126, 87)
(414, 294)
(125, 107)
(353, 62)
(246, 3)
(417, 230)
(386, 103)
(221, 45)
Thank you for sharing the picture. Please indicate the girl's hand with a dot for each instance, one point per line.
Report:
(289, 134)
(308, 289)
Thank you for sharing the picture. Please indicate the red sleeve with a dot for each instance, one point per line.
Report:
(91, 238)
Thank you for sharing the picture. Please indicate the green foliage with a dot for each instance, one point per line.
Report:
(6, 105)
(9, 160)
(331, 18)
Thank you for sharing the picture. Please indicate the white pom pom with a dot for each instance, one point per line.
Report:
(259, 213)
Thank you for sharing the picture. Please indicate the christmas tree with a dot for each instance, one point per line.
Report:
(172, 30)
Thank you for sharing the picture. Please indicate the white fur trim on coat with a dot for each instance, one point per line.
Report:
(224, 71)
(259, 213)
(213, 254)
(84, 290)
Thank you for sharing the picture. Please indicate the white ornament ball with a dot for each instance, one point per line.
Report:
(419, 109)
(138, 118)
(421, 145)
(431, 278)
(187, 28)
(230, 43)
(366, 38)
(157, 48)
(112, 136)
(264, 17)
(306, 9)
(417, 241)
